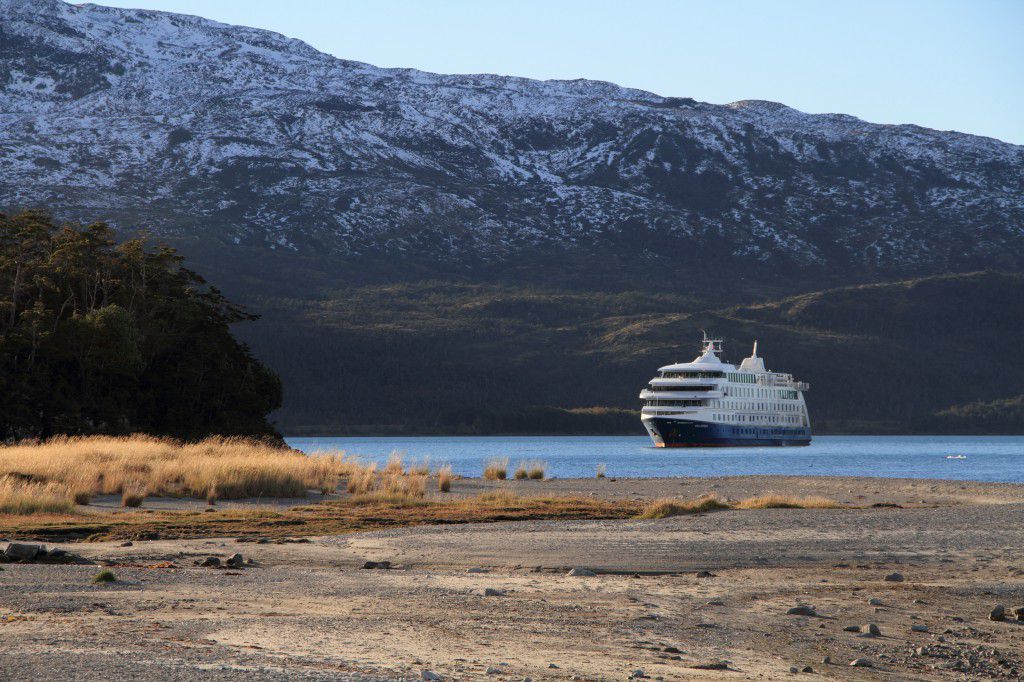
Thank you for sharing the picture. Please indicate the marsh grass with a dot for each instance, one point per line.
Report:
(601, 470)
(496, 469)
(536, 470)
(521, 473)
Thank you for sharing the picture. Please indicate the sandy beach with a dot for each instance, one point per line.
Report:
(688, 597)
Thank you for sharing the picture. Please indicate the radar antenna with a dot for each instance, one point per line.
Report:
(711, 344)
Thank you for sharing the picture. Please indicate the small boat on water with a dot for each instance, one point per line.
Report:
(956, 456)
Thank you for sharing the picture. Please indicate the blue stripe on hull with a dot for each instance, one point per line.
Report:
(679, 433)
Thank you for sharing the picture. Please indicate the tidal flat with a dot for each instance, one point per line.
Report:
(404, 596)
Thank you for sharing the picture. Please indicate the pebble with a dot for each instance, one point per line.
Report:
(126, 544)
(861, 663)
(429, 676)
(705, 574)
(893, 578)
(493, 671)
(793, 669)
(872, 630)
(210, 561)
(919, 628)
(236, 560)
(711, 665)
(875, 602)
(826, 661)
(477, 570)
(801, 610)
(851, 628)
(1018, 613)
(493, 592)
(998, 613)
(377, 564)
(637, 674)
(807, 669)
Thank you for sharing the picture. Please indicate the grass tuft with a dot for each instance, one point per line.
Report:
(104, 576)
(601, 470)
(496, 469)
(444, 478)
(521, 473)
(132, 498)
(537, 470)
(666, 507)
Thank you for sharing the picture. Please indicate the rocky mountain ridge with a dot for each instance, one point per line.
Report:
(240, 136)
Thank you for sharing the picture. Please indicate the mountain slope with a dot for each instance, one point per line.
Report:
(233, 135)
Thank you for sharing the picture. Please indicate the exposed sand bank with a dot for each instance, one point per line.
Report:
(308, 610)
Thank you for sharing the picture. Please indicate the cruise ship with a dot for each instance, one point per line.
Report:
(708, 402)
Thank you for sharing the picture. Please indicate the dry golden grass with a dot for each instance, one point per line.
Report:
(521, 474)
(215, 468)
(601, 468)
(362, 480)
(395, 465)
(773, 501)
(663, 508)
(536, 470)
(25, 497)
(496, 469)
(444, 478)
(420, 468)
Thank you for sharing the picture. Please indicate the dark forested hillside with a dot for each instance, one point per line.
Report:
(475, 358)
(99, 337)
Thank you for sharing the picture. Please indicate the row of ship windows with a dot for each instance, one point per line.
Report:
(727, 404)
(744, 392)
(738, 391)
(757, 418)
(692, 375)
(742, 405)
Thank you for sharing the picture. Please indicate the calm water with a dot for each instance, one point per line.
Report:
(989, 458)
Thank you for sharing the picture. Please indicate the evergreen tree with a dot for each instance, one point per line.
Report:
(101, 337)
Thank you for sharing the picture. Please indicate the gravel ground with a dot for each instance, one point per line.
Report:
(309, 611)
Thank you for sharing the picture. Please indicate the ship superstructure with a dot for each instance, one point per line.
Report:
(708, 402)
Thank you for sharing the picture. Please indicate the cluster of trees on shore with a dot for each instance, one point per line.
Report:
(101, 336)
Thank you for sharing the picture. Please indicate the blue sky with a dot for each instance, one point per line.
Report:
(938, 63)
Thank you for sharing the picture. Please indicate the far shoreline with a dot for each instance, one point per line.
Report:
(450, 434)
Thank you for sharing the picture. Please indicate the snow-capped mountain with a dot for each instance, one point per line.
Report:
(245, 136)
